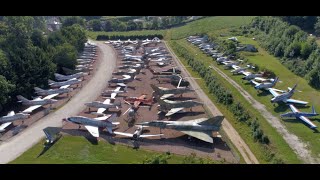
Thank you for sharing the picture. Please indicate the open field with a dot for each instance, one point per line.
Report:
(278, 144)
(78, 150)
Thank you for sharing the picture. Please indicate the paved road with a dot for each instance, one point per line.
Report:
(233, 135)
(294, 142)
(33, 134)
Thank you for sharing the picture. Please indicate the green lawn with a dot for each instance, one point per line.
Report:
(78, 150)
(288, 79)
(278, 144)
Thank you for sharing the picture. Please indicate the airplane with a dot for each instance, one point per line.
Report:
(93, 124)
(199, 128)
(113, 93)
(229, 64)
(249, 75)
(130, 72)
(84, 62)
(61, 77)
(102, 106)
(37, 101)
(285, 97)
(238, 70)
(126, 79)
(52, 135)
(136, 101)
(54, 84)
(265, 85)
(137, 134)
(301, 115)
(42, 92)
(5, 121)
(165, 93)
(173, 107)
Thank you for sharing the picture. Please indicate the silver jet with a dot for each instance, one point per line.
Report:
(102, 106)
(173, 107)
(165, 93)
(5, 121)
(285, 97)
(93, 124)
(42, 92)
(73, 81)
(199, 128)
(37, 101)
(137, 134)
(61, 77)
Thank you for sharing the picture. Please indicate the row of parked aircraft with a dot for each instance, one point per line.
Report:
(62, 85)
(258, 80)
(131, 66)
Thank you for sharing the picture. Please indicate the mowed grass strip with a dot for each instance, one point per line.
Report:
(278, 144)
(78, 150)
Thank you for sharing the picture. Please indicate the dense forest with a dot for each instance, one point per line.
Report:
(295, 48)
(29, 55)
(307, 23)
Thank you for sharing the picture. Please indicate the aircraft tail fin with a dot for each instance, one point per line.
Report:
(313, 110)
(11, 113)
(293, 89)
(51, 81)
(275, 81)
(37, 89)
(22, 99)
(215, 121)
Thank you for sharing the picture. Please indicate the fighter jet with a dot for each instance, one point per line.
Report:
(199, 128)
(130, 72)
(113, 93)
(5, 121)
(165, 93)
(102, 106)
(173, 107)
(301, 115)
(126, 79)
(42, 92)
(229, 64)
(61, 77)
(54, 84)
(285, 97)
(93, 124)
(265, 85)
(137, 134)
(249, 75)
(238, 69)
(37, 101)
(84, 62)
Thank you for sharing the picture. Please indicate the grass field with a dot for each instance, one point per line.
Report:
(278, 144)
(288, 79)
(78, 150)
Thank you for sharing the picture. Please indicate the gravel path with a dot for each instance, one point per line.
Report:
(294, 142)
(33, 134)
(233, 135)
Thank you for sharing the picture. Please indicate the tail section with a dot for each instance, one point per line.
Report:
(313, 110)
(37, 89)
(293, 89)
(11, 113)
(22, 99)
(215, 121)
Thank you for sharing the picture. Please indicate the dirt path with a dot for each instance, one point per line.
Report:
(33, 134)
(294, 142)
(233, 135)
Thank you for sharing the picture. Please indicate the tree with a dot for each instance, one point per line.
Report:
(5, 89)
(95, 24)
(155, 23)
(122, 26)
(38, 39)
(65, 56)
(71, 20)
(131, 25)
(306, 50)
(317, 26)
(108, 26)
(313, 76)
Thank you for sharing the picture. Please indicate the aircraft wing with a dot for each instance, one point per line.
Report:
(117, 89)
(31, 108)
(113, 95)
(255, 82)
(4, 125)
(101, 110)
(306, 120)
(260, 79)
(51, 96)
(235, 67)
(123, 134)
(296, 101)
(105, 117)
(65, 86)
(173, 111)
(136, 103)
(293, 109)
(93, 130)
(204, 136)
(107, 101)
(273, 92)
(142, 96)
(246, 73)
(150, 135)
(165, 96)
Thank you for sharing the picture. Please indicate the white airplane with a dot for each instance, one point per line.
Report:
(285, 97)
(93, 124)
(113, 93)
(102, 106)
(61, 77)
(137, 134)
(265, 85)
(5, 121)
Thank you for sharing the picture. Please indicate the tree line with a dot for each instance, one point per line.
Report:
(296, 50)
(29, 57)
(125, 37)
(225, 97)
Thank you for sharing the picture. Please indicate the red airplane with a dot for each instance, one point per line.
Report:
(136, 101)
